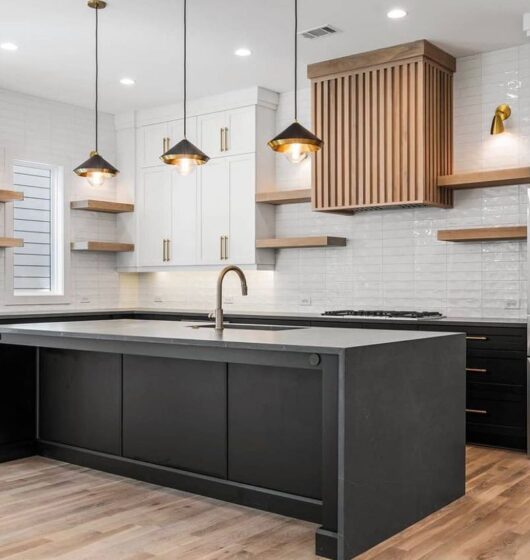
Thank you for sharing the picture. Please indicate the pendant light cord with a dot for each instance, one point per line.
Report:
(296, 60)
(97, 74)
(185, 65)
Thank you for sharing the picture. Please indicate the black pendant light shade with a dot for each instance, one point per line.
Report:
(296, 142)
(96, 169)
(184, 155)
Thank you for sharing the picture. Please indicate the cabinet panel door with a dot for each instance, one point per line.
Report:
(215, 210)
(241, 134)
(17, 394)
(183, 248)
(176, 131)
(210, 129)
(242, 238)
(80, 399)
(154, 215)
(174, 413)
(151, 144)
(275, 428)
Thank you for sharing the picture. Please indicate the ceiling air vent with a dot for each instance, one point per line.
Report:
(318, 32)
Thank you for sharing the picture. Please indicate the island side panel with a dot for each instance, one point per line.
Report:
(403, 437)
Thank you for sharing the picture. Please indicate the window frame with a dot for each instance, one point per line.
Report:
(59, 224)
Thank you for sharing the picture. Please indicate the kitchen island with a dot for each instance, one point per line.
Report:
(361, 431)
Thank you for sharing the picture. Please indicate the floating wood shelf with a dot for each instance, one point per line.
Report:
(102, 246)
(8, 242)
(300, 242)
(483, 234)
(284, 197)
(479, 179)
(106, 206)
(9, 196)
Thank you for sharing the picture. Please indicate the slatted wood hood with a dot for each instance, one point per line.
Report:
(386, 119)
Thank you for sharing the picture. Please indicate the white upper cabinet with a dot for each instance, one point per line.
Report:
(228, 133)
(209, 218)
(155, 139)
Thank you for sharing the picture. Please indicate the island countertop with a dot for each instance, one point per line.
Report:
(314, 339)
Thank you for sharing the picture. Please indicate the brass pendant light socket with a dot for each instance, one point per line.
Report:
(97, 4)
(502, 112)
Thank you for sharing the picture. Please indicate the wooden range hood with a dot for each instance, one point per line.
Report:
(386, 118)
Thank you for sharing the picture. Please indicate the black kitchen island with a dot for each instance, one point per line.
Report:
(361, 431)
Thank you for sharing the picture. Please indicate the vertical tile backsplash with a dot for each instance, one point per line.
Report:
(393, 259)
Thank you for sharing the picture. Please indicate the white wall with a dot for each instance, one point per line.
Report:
(44, 131)
(393, 260)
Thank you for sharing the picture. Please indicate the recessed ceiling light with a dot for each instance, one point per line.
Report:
(243, 51)
(396, 13)
(127, 82)
(9, 46)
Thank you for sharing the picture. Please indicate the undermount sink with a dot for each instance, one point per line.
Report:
(247, 327)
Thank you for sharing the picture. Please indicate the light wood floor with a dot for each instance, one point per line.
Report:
(50, 510)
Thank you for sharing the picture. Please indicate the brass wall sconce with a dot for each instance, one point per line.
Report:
(502, 112)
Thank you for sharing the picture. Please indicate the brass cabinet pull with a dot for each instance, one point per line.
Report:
(226, 246)
(476, 370)
(476, 411)
(226, 139)
(164, 246)
(221, 248)
(222, 139)
(168, 249)
(483, 338)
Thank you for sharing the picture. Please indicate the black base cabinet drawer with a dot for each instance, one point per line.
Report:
(496, 370)
(275, 428)
(491, 403)
(497, 436)
(80, 399)
(174, 413)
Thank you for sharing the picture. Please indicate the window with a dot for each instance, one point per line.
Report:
(38, 268)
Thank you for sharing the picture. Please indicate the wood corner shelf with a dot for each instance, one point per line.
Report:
(300, 242)
(484, 234)
(106, 206)
(492, 178)
(9, 242)
(10, 196)
(102, 246)
(284, 197)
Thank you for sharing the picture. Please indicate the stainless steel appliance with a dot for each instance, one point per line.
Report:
(379, 314)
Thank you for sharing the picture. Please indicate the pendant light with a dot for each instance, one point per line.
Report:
(96, 169)
(296, 142)
(185, 156)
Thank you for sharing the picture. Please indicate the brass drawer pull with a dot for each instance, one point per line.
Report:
(476, 370)
(476, 411)
(482, 338)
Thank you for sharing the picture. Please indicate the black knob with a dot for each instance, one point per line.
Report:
(314, 359)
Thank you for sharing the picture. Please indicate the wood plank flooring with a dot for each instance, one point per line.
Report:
(51, 510)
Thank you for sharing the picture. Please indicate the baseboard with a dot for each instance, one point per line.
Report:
(289, 505)
(18, 450)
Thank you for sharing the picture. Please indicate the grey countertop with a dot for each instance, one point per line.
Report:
(308, 339)
(295, 316)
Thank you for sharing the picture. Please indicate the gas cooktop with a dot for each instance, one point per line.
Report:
(378, 314)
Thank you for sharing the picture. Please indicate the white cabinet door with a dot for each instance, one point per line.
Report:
(154, 218)
(175, 131)
(183, 249)
(215, 211)
(242, 236)
(211, 130)
(240, 131)
(152, 144)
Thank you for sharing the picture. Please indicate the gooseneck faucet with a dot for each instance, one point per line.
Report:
(218, 314)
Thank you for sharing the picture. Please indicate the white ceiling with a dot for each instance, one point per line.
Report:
(142, 39)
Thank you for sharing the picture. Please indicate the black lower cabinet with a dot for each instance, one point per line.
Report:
(174, 413)
(17, 400)
(275, 428)
(80, 399)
